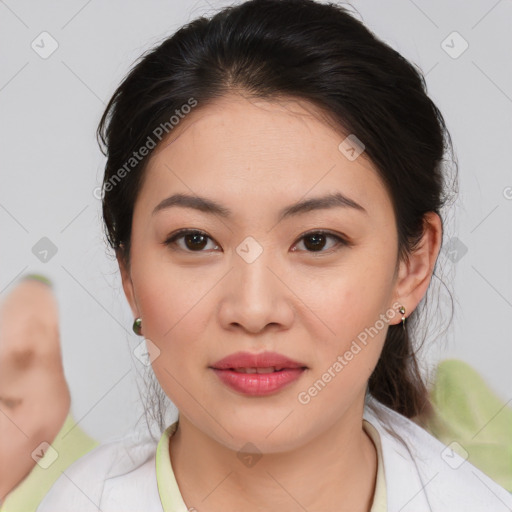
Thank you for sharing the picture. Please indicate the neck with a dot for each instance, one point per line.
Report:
(336, 470)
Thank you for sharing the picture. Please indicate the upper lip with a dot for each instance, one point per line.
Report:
(261, 360)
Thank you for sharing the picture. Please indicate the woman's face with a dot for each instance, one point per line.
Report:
(262, 278)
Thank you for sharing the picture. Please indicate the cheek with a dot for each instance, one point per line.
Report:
(352, 298)
(354, 304)
(174, 319)
(169, 307)
(174, 309)
(345, 359)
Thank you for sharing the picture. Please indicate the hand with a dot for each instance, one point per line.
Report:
(34, 396)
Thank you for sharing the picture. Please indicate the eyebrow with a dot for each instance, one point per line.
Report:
(203, 204)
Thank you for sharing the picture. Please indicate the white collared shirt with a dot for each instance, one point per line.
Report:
(419, 475)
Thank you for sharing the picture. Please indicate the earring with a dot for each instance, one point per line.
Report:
(401, 310)
(137, 326)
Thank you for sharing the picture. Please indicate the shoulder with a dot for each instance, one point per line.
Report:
(423, 474)
(104, 478)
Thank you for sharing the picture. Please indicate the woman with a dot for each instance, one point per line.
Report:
(272, 191)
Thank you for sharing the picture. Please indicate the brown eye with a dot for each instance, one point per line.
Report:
(315, 241)
(194, 241)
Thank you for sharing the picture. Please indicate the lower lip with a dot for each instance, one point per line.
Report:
(258, 384)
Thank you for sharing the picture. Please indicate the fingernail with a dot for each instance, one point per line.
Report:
(39, 277)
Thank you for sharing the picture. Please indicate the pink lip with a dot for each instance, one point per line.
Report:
(257, 384)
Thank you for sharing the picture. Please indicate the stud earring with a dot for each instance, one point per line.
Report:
(137, 326)
(401, 310)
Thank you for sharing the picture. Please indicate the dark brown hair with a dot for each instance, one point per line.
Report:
(305, 50)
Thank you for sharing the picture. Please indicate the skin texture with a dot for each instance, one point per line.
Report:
(256, 157)
(34, 396)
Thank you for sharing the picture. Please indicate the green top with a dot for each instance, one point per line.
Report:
(170, 494)
(70, 444)
(469, 414)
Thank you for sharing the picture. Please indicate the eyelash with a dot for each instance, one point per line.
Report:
(341, 242)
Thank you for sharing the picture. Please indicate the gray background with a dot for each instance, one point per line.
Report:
(50, 167)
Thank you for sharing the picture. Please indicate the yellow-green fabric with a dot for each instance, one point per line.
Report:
(468, 412)
(70, 443)
(170, 494)
(380, 501)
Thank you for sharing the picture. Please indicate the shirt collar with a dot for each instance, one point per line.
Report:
(171, 498)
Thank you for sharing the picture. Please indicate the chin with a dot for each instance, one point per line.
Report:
(261, 437)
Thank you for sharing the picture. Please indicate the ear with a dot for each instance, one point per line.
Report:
(414, 275)
(127, 281)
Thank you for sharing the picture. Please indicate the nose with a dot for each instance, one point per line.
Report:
(256, 296)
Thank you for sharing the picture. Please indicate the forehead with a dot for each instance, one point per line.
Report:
(260, 149)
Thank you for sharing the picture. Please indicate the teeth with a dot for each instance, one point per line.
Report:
(256, 370)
